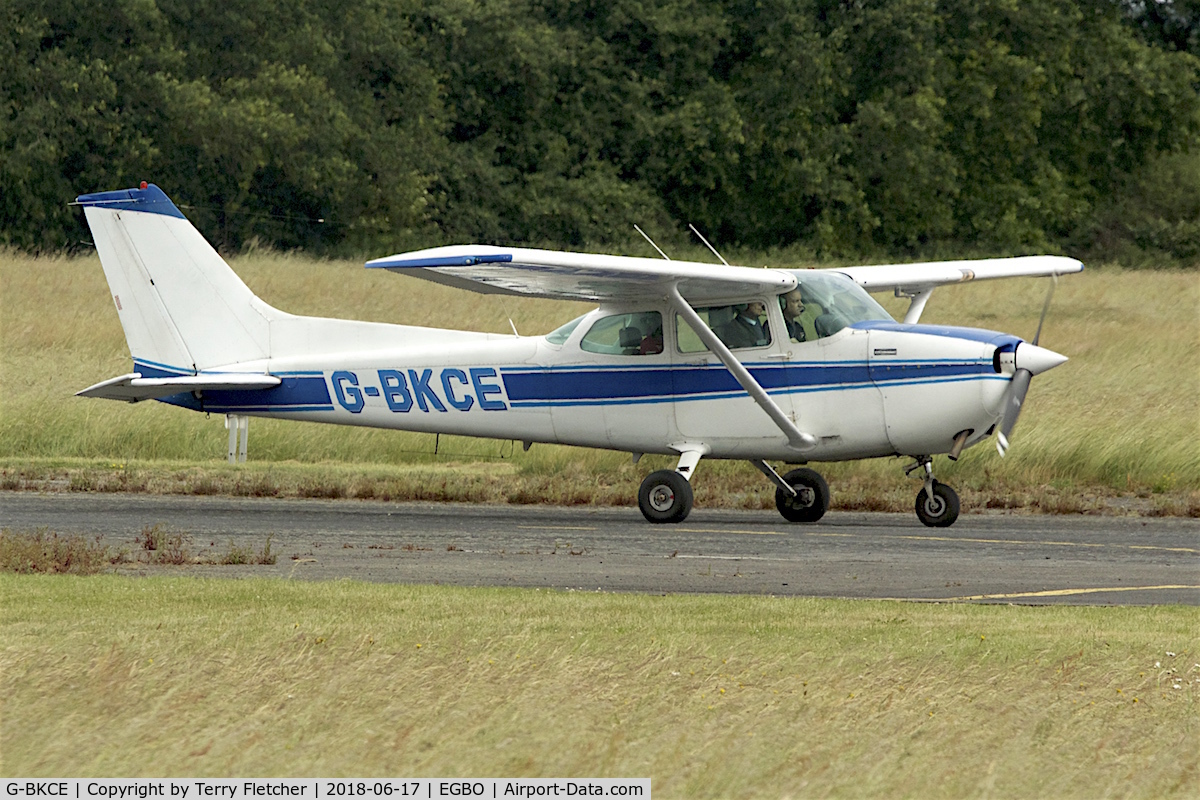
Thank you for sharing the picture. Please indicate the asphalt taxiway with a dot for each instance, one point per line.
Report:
(982, 558)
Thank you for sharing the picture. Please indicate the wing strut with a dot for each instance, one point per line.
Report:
(796, 438)
(916, 305)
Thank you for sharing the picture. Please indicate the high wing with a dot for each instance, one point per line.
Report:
(133, 387)
(581, 276)
(917, 281)
(585, 276)
(915, 278)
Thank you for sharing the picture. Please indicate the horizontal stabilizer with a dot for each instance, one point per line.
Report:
(133, 387)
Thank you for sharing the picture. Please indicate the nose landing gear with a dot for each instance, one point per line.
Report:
(937, 504)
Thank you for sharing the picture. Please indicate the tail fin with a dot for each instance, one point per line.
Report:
(183, 309)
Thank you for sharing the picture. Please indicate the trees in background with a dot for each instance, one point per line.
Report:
(846, 128)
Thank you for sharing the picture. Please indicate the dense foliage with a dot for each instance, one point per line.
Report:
(842, 127)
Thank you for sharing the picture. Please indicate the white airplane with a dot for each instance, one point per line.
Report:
(680, 358)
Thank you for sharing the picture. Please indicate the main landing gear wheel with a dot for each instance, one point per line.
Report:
(940, 510)
(665, 496)
(811, 500)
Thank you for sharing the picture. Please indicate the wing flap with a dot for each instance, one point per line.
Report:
(580, 276)
(133, 387)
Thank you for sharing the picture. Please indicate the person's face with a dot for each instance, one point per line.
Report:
(755, 309)
(793, 304)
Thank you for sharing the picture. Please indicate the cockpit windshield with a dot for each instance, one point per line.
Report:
(833, 301)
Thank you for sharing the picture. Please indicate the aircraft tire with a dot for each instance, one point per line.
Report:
(811, 500)
(665, 496)
(941, 510)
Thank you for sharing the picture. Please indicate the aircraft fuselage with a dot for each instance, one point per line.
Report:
(863, 392)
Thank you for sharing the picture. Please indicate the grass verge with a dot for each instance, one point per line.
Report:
(47, 551)
(709, 696)
(575, 477)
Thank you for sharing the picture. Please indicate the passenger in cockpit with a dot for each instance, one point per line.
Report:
(745, 329)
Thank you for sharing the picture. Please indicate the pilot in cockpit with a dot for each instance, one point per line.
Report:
(793, 307)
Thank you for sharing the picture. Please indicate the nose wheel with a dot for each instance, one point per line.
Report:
(937, 504)
(940, 509)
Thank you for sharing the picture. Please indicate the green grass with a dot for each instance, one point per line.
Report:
(1119, 420)
(709, 696)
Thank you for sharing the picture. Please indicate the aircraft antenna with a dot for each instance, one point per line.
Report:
(651, 241)
(514, 327)
(706, 244)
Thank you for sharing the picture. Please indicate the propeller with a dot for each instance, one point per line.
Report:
(1029, 360)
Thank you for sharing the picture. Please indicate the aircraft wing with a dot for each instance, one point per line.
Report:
(133, 387)
(915, 278)
(581, 276)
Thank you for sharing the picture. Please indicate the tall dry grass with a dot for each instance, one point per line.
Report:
(1120, 417)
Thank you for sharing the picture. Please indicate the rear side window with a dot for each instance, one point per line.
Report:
(636, 334)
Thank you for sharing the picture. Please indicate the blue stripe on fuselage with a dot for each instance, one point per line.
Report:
(549, 387)
(608, 384)
(530, 388)
(292, 394)
(297, 391)
(584, 385)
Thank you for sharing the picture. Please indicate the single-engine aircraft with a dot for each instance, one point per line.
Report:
(680, 358)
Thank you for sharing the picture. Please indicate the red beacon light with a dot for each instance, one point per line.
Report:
(144, 185)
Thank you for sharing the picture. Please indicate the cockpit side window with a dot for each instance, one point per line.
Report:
(831, 302)
(635, 334)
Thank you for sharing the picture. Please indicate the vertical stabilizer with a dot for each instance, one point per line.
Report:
(181, 306)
